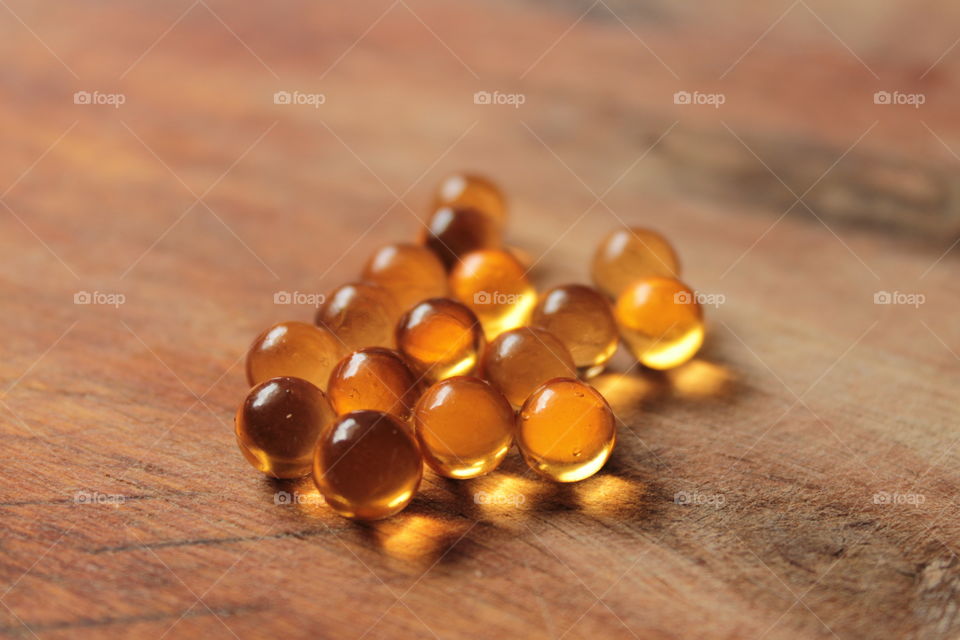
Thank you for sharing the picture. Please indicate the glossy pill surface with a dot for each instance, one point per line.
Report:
(294, 349)
(411, 272)
(495, 286)
(464, 426)
(368, 465)
(582, 319)
(454, 231)
(440, 338)
(566, 430)
(473, 191)
(360, 315)
(520, 360)
(373, 378)
(279, 423)
(630, 254)
(660, 321)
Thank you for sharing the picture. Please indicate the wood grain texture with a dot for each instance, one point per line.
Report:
(798, 480)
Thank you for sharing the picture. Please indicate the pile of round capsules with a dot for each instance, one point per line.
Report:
(443, 353)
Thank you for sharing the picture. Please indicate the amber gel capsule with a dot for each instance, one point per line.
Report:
(627, 255)
(412, 273)
(495, 286)
(473, 191)
(660, 321)
(454, 231)
(279, 423)
(294, 349)
(464, 425)
(360, 315)
(566, 430)
(582, 319)
(520, 360)
(440, 338)
(373, 378)
(368, 465)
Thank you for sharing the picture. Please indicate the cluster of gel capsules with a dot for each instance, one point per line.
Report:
(444, 354)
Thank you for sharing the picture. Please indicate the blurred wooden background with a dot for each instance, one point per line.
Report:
(799, 479)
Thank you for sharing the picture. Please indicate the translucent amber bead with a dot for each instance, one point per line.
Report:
(440, 338)
(294, 349)
(566, 430)
(373, 378)
(628, 255)
(495, 286)
(367, 465)
(464, 425)
(410, 272)
(661, 321)
(520, 360)
(279, 423)
(454, 231)
(360, 315)
(582, 319)
(470, 190)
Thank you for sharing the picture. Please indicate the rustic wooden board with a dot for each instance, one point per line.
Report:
(799, 479)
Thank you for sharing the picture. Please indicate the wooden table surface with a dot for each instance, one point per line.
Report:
(797, 480)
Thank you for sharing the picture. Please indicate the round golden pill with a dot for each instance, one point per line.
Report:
(360, 315)
(368, 465)
(440, 338)
(373, 378)
(454, 231)
(520, 360)
(473, 191)
(279, 423)
(496, 288)
(294, 349)
(412, 273)
(566, 430)
(628, 255)
(582, 319)
(660, 321)
(464, 426)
